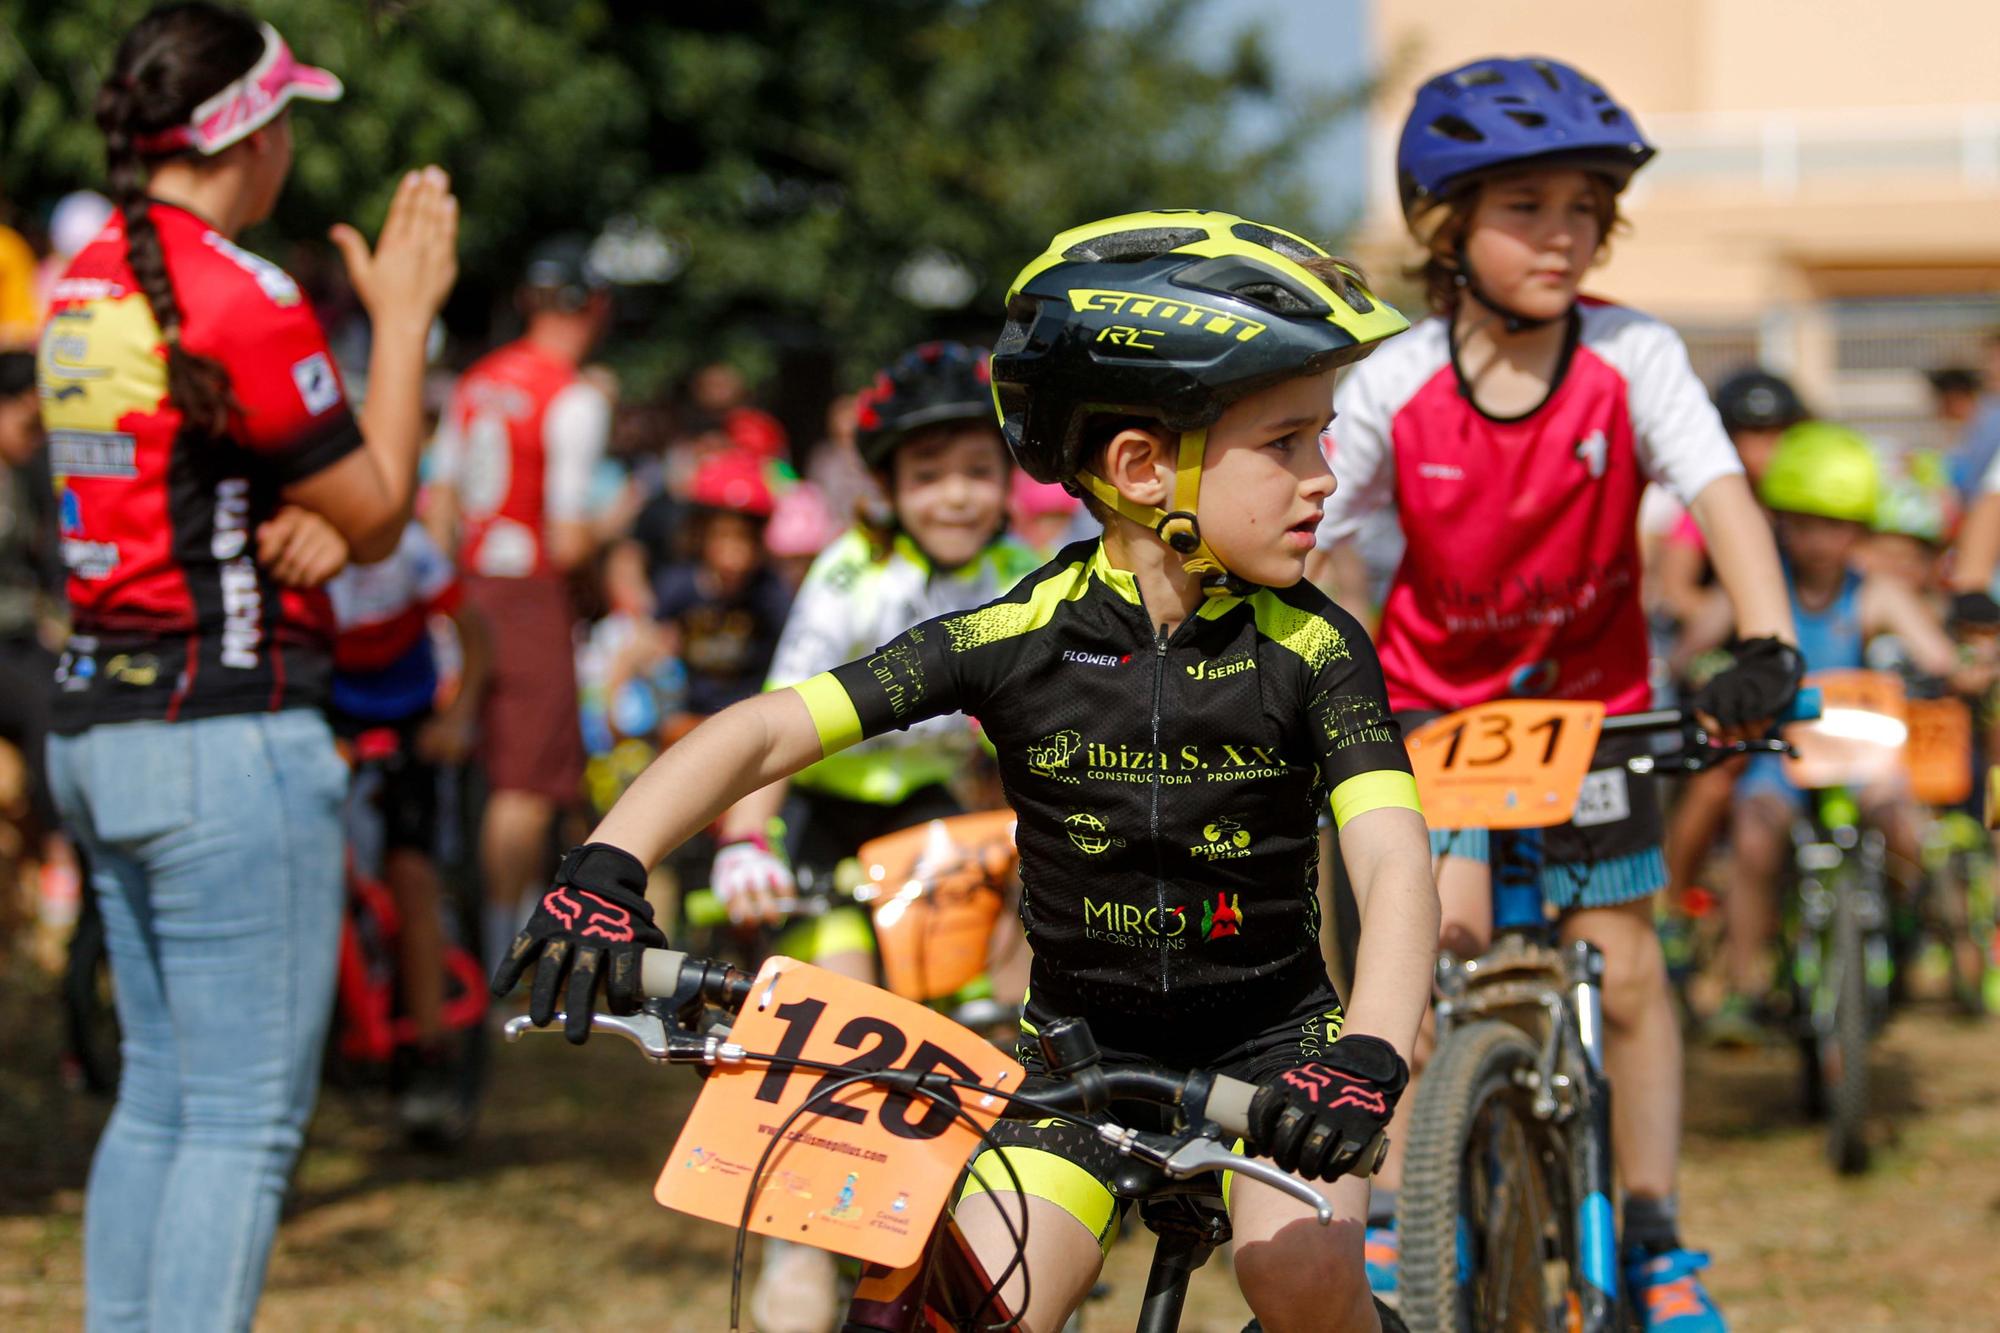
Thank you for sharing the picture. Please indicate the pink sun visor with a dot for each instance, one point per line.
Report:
(248, 104)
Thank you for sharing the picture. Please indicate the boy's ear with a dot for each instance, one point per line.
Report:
(1140, 464)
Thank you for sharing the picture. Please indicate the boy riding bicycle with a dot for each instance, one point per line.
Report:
(1513, 433)
(1172, 708)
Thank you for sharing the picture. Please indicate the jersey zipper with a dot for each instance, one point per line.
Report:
(1159, 854)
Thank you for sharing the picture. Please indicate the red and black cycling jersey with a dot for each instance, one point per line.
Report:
(173, 617)
(1168, 787)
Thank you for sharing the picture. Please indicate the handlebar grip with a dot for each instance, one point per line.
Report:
(1229, 1105)
(1805, 706)
(660, 972)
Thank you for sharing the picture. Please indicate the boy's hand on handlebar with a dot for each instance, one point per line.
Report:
(1740, 701)
(1319, 1119)
(592, 927)
(752, 879)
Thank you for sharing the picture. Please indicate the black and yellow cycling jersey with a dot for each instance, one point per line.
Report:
(1168, 786)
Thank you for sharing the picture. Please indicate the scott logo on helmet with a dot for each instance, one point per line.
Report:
(1204, 319)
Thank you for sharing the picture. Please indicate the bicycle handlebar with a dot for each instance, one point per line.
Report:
(683, 986)
(1697, 752)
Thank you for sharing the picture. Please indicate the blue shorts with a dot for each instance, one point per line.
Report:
(1609, 853)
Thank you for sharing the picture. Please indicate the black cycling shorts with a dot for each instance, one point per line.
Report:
(1071, 1167)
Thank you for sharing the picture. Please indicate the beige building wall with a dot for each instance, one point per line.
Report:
(1827, 193)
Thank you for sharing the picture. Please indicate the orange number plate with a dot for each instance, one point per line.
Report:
(1514, 763)
(1859, 737)
(1939, 755)
(867, 1171)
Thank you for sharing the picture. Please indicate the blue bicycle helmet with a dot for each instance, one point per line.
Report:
(1498, 113)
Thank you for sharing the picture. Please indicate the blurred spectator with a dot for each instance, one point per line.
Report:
(1043, 514)
(515, 461)
(835, 466)
(724, 608)
(1980, 440)
(20, 310)
(74, 223)
(719, 393)
(1955, 404)
(801, 527)
(31, 591)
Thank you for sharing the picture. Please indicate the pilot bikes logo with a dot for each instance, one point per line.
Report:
(1090, 835)
(1050, 756)
(1224, 840)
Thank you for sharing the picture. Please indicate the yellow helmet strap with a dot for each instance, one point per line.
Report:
(1177, 527)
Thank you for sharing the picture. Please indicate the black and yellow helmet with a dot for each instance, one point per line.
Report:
(1173, 314)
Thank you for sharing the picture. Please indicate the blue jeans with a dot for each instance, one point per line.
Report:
(215, 849)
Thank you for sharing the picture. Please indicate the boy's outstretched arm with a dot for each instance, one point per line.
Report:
(742, 749)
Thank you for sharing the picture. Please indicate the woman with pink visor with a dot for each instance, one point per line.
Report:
(210, 475)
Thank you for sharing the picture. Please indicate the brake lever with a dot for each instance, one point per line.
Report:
(655, 1039)
(1197, 1156)
(1698, 760)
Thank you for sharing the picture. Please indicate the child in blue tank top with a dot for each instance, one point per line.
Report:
(1823, 488)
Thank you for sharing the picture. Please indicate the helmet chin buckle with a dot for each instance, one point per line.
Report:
(1180, 530)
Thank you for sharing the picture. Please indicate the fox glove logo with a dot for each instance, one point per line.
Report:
(601, 920)
(1328, 1089)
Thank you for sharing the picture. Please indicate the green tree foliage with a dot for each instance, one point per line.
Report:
(797, 152)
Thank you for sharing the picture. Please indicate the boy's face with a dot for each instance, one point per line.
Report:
(1264, 482)
(949, 489)
(1755, 445)
(1909, 560)
(1818, 547)
(732, 547)
(1532, 237)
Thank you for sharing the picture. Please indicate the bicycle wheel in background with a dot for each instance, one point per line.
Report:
(1843, 1054)
(89, 1010)
(1488, 1208)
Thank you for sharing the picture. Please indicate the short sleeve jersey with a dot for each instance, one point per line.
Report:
(1520, 576)
(519, 442)
(384, 669)
(853, 599)
(727, 639)
(173, 615)
(1168, 788)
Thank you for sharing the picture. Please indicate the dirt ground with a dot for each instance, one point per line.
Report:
(547, 1220)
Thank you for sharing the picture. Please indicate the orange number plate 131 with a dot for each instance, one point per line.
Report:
(1514, 763)
(866, 1171)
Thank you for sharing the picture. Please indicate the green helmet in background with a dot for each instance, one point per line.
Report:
(1911, 508)
(1823, 468)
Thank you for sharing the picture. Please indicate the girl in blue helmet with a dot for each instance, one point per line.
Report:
(1513, 434)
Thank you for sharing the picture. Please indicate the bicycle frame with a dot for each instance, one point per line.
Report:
(1554, 993)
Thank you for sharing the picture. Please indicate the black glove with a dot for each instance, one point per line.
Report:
(1975, 611)
(596, 912)
(1318, 1119)
(1761, 683)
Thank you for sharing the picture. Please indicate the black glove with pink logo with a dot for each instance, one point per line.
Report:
(591, 927)
(1320, 1119)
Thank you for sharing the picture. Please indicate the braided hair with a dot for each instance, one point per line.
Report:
(172, 60)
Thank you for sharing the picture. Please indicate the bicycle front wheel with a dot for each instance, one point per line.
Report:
(1487, 1213)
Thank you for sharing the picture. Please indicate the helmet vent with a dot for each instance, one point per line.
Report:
(1541, 67)
(1609, 116)
(1124, 247)
(1287, 246)
(1457, 129)
(1483, 77)
(1275, 296)
(1532, 120)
